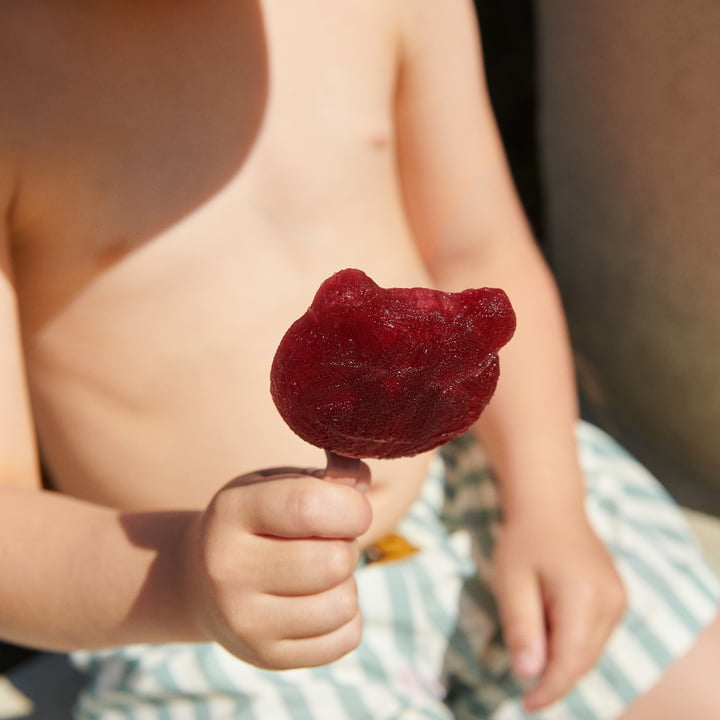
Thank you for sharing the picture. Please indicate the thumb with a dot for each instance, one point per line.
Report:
(520, 605)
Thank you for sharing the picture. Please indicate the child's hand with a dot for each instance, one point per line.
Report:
(271, 568)
(559, 597)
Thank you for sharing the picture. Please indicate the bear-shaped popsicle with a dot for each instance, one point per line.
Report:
(371, 372)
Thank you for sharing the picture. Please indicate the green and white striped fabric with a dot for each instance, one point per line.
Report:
(432, 647)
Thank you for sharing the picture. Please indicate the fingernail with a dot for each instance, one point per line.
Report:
(526, 664)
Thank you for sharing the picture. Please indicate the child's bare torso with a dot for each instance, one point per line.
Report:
(187, 173)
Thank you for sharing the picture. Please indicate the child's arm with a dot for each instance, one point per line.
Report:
(466, 215)
(266, 570)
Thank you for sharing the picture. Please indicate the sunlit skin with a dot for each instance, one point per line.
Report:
(176, 179)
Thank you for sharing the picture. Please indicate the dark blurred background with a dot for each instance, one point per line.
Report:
(610, 115)
(508, 39)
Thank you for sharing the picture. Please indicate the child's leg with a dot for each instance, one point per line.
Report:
(689, 689)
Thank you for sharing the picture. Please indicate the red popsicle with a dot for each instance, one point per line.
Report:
(386, 373)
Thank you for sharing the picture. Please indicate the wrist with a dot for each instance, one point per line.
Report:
(191, 584)
(545, 496)
(536, 467)
(164, 610)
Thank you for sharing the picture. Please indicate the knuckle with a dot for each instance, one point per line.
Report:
(586, 594)
(354, 633)
(271, 657)
(339, 561)
(610, 606)
(345, 602)
(304, 507)
(361, 518)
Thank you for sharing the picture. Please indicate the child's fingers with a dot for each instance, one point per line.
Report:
(311, 616)
(522, 616)
(570, 652)
(312, 651)
(293, 568)
(295, 506)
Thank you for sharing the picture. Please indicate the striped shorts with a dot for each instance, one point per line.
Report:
(432, 646)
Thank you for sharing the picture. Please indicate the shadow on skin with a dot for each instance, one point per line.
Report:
(133, 116)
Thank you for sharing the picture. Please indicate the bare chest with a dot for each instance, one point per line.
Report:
(257, 124)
